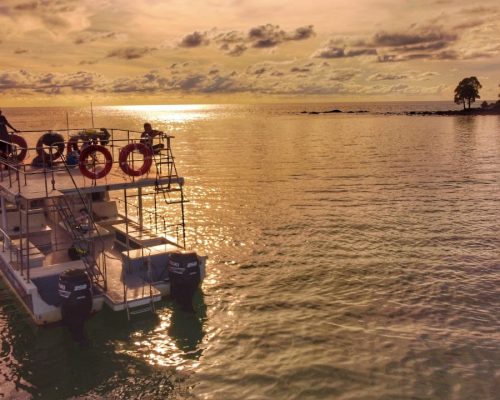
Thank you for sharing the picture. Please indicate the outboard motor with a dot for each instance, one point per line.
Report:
(75, 290)
(184, 274)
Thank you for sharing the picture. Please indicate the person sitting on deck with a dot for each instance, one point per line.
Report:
(82, 221)
(103, 136)
(148, 135)
(73, 158)
(41, 162)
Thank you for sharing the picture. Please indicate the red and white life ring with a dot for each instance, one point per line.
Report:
(22, 146)
(146, 153)
(84, 165)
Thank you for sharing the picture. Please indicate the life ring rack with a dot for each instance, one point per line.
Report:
(146, 152)
(50, 139)
(89, 151)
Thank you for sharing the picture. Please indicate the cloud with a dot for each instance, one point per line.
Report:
(20, 51)
(261, 79)
(28, 6)
(236, 50)
(416, 43)
(50, 83)
(190, 83)
(236, 43)
(299, 69)
(467, 24)
(95, 36)
(342, 75)
(482, 10)
(302, 33)
(386, 77)
(130, 53)
(332, 50)
(195, 39)
(425, 35)
(54, 17)
(87, 62)
(264, 36)
(257, 70)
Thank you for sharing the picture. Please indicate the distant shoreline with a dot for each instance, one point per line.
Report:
(472, 111)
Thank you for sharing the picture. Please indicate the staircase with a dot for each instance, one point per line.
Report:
(84, 245)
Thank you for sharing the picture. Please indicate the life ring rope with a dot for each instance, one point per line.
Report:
(147, 154)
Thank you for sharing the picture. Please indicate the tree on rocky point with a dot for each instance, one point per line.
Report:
(467, 90)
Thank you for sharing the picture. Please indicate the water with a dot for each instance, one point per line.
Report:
(352, 256)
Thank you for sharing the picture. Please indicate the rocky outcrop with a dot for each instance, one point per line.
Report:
(493, 109)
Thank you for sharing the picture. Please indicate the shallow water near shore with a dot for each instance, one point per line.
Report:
(351, 256)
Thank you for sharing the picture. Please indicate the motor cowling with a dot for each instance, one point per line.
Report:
(75, 291)
(184, 274)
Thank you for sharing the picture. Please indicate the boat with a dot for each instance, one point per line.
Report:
(92, 218)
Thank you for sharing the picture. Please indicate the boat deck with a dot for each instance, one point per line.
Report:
(138, 291)
(37, 183)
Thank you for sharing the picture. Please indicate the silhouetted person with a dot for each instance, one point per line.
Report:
(4, 135)
(148, 135)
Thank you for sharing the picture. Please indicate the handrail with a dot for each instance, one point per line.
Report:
(154, 215)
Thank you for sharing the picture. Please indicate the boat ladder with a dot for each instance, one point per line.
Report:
(150, 306)
(165, 165)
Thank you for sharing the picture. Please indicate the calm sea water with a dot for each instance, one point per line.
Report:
(352, 256)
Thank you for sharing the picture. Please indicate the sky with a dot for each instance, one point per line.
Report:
(70, 52)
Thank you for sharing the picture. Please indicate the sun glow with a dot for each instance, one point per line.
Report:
(165, 113)
(174, 108)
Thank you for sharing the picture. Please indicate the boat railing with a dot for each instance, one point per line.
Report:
(156, 223)
(30, 156)
(19, 255)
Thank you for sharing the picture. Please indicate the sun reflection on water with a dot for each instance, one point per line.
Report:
(169, 113)
(175, 342)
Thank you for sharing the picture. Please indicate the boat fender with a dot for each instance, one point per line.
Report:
(50, 139)
(146, 153)
(22, 146)
(88, 168)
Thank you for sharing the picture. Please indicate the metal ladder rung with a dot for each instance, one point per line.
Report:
(142, 310)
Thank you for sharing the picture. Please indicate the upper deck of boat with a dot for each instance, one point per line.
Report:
(24, 179)
(34, 184)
